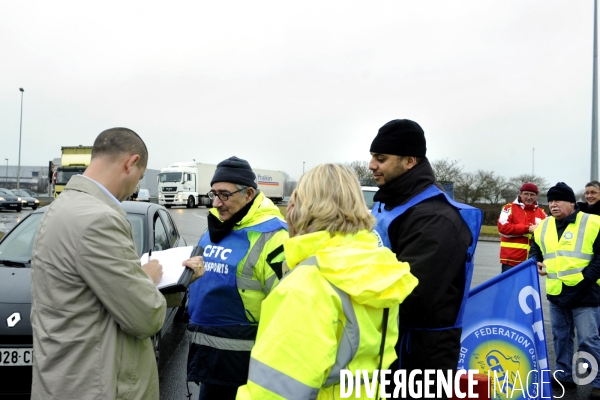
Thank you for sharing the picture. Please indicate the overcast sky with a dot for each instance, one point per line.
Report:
(284, 83)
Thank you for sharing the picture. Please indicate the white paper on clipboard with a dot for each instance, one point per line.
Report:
(170, 260)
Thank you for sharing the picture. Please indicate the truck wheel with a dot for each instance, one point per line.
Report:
(190, 202)
(168, 205)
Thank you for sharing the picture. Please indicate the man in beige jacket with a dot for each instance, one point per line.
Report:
(94, 308)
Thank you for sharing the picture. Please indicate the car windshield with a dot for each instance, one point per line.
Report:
(63, 175)
(170, 177)
(20, 193)
(17, 246)
(7, 192)
(369, 198)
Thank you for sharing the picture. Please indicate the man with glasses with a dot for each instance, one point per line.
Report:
(516, 224)
(591, 205)
(243, 254)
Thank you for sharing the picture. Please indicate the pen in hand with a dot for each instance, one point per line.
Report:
(154, 270)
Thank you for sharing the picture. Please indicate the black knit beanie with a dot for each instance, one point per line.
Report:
(561, 191)
(235, 170)
(400, 137)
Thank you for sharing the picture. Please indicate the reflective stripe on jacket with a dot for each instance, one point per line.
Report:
(567, 257)
(326, 315)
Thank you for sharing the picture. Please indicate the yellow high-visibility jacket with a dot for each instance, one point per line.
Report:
(326, 315)
(565, 259)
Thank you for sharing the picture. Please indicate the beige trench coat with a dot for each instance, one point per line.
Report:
(93, 307)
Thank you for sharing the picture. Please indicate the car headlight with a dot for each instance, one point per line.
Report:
(24, 201)
(1, 198)
(19, 199)
(37, 201)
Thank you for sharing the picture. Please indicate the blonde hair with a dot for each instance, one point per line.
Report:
(329, 198)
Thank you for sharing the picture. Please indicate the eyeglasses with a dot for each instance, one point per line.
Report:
(222, 196)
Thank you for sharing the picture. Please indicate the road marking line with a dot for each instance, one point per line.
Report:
(199, 216)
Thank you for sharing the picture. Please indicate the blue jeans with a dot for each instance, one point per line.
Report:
(585, 321)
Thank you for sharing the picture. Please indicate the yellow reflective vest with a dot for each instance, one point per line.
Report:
(567, 257)
(326, 315)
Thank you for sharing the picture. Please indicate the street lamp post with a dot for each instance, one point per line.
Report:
(20, 130)
(6, 172)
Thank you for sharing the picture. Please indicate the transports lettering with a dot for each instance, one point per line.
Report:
(219, 268)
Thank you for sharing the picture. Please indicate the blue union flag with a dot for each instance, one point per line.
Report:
(503, 335)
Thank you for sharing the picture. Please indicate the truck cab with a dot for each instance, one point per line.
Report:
(74, 161)
(177, 185)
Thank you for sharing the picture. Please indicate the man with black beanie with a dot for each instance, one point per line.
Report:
(243, 253)
(424, 228)
(567, 249)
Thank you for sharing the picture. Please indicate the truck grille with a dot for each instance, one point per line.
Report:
(169, 189)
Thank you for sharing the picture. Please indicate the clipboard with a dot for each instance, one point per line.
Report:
(182, 283)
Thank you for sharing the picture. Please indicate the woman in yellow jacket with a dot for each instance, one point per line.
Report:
(327, 313)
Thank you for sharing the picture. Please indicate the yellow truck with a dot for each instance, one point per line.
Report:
(75, 159)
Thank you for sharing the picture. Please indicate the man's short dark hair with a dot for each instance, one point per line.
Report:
(118, 141)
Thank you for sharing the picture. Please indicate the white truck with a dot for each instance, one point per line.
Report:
(187, 184)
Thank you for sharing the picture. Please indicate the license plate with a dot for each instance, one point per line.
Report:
(12, 357)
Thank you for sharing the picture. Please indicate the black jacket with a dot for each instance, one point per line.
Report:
(586, 208)
(433, 238)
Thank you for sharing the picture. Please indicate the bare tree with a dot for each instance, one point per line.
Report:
(446, 170)
(364, 174)
(465, 188)
(515, 183)
(289, 184)
(491, 186)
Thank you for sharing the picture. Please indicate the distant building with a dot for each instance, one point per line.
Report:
(36, 179)
(149, 181)
(33, 178)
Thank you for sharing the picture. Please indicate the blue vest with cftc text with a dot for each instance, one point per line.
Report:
(214, 299)
(471, 215)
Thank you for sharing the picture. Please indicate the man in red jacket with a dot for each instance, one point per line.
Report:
(516, 224)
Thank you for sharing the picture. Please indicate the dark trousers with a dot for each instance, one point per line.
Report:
(217, 392)
(506, 267)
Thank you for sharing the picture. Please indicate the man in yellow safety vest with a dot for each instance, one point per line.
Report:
(567, 249)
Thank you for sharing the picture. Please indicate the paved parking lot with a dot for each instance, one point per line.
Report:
(8, 219)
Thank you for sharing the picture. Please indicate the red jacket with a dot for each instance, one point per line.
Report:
(513, 225)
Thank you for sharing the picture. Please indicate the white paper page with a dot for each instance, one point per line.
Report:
(170, 260)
